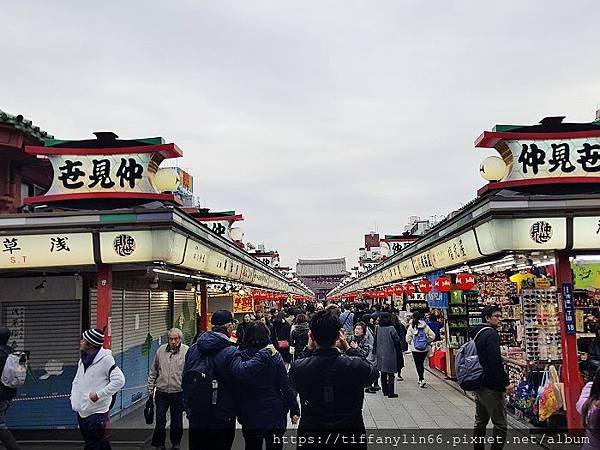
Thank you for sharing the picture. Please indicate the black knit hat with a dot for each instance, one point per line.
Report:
(94, 336)
(221, 317)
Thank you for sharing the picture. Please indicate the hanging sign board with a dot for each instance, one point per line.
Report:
(101, 173)
(46, 250)
(458, 250)
(586, 232)
(546, 233)
(553, 158)
(569, 308)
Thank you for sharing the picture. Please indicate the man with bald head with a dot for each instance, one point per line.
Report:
(165, 377)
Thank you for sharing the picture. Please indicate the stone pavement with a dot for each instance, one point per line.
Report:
(438, 408)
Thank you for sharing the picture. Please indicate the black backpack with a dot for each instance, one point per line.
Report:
(199, 383)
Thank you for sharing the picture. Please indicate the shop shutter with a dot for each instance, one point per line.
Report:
(137, 344)
(184, 314)
(160, 320)
(116, 330)
(50, 330)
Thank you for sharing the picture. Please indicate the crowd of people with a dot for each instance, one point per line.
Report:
(310, 365)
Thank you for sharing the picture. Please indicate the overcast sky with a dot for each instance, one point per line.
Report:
(315, 119)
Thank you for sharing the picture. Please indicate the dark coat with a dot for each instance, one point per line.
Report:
(299, 337)
(490, 358)
(331, 387)
(268, 397)
(230, 369)
(388, 342)
(281, 330)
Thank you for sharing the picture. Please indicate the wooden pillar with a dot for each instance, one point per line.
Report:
(570, 362)
(203, 317)
(104, 298)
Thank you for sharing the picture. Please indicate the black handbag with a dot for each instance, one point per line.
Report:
(149, 410)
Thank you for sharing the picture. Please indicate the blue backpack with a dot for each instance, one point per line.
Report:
(469, 372)
(420, 340)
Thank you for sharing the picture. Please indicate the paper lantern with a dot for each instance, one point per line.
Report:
(398, 289)
(425, 286)
(465, 281)
(443, 284)
(409, 288)
(389, 291)
(166, 180)
(493, 168)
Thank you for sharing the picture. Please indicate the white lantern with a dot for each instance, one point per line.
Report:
(493, 168)
(237, 234)
(166, 180)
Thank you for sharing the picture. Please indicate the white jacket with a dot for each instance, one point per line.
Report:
(412, 332)
(96, 379)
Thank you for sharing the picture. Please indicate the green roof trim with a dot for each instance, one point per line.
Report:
(145, 141)
(505, 128)
(118, 218)
(24, 125)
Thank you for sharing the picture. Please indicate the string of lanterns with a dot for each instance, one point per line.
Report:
(463, 282)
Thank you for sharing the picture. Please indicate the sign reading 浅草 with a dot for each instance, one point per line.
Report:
(554, 158)
(46, 250)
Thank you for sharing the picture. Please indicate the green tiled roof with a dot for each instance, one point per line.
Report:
(24, 125)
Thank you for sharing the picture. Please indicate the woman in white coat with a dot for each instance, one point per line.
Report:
(419, 337)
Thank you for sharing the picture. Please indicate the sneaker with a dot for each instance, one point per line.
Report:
(370, 390)
(392, 395)
(422, 384)
(377, 388)
(400, 378)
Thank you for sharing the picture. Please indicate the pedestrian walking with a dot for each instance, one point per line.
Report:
(299, 334)
(588, 406)
(266, 398)
(490, 399)
(211, 384)
(360, 341)
(7, 394)
(164, 384)
(385, 348)
(282, 328)
(402, 346)
(419, 337)
(330, 385)
(98, 378)
(347, 320)
(241, 329)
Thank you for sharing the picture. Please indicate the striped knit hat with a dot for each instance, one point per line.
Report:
(94, 336)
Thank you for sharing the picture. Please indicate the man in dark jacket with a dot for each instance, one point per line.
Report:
(331, 386)
(6, 394)
(490, 400)
(217, 431)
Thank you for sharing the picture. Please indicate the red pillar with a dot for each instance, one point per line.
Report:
(570, 364)
(203, 306)
(104, 286)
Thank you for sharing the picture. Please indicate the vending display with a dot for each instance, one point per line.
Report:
(542, 340)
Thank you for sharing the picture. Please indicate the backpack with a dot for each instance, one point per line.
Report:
(469, 371)
(15, 370)
(199, 383)
(420, 342)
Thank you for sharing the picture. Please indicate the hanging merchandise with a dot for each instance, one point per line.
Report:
(541, 322)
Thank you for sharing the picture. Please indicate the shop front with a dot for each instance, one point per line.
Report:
(107, 246)
(517, 246)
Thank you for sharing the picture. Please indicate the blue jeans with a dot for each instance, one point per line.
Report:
(94, 432)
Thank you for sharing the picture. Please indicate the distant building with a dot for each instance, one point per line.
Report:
(377, 249)
(321, 275)
(419, 226)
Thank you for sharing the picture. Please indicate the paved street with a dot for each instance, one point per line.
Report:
(438, 410)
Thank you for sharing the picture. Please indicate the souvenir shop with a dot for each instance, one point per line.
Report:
(530, 243)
